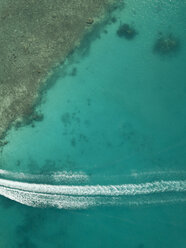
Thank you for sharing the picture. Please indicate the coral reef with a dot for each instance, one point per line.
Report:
(127, 31)
(36, 36)
(166, 44)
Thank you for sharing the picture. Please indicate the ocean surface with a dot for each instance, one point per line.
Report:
(106, 167)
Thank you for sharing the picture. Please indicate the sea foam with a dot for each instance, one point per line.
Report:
(83, 196)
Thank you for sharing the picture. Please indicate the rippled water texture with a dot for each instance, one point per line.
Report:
(106, 165)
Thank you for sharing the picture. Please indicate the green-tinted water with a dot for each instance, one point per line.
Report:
(118, 119)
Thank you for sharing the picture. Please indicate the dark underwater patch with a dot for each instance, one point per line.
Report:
(141, 245)
(73, 142)
(166, 44)
(126, 31)
(73, 72)
(26, 243)
(113, 19)
(69, 118)
(29, 119)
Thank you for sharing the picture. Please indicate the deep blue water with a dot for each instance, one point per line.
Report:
(119, 118)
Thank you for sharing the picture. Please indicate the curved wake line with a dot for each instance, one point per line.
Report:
(98, 190)
(77, 197)
(80, 202)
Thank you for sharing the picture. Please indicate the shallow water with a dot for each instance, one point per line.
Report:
(116, 119)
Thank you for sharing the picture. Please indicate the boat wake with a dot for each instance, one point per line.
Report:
(84, 196)
(56, 177)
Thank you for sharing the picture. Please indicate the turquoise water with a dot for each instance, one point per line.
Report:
(117, 121)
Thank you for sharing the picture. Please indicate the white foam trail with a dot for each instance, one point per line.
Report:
(96, 190)
(47, 200)
(65, 196)
(166, 173)
(63, 177)
(154, 202)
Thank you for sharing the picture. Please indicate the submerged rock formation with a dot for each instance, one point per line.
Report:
(127, 31)
(36, 35)
(166, 44)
